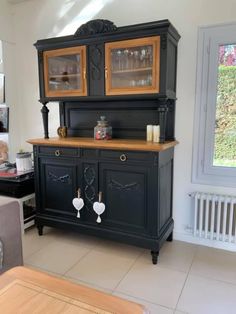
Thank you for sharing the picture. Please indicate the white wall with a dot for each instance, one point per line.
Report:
(48, 18)
(8, 68)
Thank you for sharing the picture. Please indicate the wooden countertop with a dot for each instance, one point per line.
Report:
(27, 291)
(117, 144)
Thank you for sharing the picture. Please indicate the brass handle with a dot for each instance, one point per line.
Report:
(106, 73)
(84, 74)
(57, 153)
(123, 157)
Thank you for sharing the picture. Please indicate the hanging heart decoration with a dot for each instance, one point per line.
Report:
(99, 208)
(78, 203)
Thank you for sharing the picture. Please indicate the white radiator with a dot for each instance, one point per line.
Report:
(214, 217)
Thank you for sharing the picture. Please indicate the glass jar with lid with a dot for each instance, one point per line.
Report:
(102, 130)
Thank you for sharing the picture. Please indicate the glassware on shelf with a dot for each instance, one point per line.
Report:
(131, 66)
(119, 53)
(62, 71)
(149, 56)
(126, 59)
(136, 59)
(102, 130)
(143, 54)
(131, 59)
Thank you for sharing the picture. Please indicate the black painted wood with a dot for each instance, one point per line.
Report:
(96, 69)
(155, 255)
(136, 192)
(125, 190)
(127, 118)
(59, 181)
(45, 112)
(94, 38)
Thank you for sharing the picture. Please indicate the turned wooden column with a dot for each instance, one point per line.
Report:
(45, 112)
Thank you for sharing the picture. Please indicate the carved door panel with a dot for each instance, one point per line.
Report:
(126, 196)
(89, 189)
(96, 69)
(59, 181)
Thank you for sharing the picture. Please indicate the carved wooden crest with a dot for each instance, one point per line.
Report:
(95, 27)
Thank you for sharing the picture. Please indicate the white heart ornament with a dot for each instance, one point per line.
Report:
(78, 203)
(99, 208)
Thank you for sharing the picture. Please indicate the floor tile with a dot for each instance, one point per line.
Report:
(120, 249)
(32, 242)
(207, 296)
(43, 270)
(87, 284)
(175, 255)
(101, 268)
(153, 308)
(154, 284)
(57, 256)
(80, 239)
(214, 263)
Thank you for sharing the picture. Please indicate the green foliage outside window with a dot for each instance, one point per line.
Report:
(225, 130)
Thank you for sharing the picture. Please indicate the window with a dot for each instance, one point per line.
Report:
(214, 148)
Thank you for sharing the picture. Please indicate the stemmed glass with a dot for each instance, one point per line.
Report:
(136, 58)
(119, 53)
(143, 57)
(126, 58)
(149, 56)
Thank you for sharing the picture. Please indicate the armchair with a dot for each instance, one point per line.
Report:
(10, 235)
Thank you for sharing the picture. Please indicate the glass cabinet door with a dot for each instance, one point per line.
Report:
(65, 72)
(132, 66)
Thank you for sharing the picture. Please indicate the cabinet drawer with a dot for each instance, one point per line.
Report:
(126, 155)
(58, 151)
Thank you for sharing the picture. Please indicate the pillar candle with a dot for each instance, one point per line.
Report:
(156, 133)
(149, 133)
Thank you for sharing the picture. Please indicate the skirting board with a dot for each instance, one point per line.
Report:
(199, 241)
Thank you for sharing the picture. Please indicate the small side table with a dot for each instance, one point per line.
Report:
(28, 223)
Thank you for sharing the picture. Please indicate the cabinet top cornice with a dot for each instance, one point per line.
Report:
(154, 27)
(115, 144)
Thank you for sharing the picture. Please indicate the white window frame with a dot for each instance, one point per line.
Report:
(203, 171)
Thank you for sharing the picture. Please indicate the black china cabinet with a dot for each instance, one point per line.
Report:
(127, 74)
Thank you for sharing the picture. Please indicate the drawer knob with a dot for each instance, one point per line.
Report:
(57, 153)
(123, 157)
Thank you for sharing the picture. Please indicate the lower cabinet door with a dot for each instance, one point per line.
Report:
(125, 193)
(58, 183)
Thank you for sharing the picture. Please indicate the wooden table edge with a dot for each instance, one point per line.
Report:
(72, 290)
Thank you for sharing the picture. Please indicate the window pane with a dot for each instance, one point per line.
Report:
(225, 126)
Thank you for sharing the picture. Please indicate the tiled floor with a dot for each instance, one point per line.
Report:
(188, 278)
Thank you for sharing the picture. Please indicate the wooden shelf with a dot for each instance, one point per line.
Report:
(132, 70)
(64, 75)
(116, 144)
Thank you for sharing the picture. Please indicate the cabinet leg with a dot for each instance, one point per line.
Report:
(154, 256)
(170, 238)
(40, 230)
